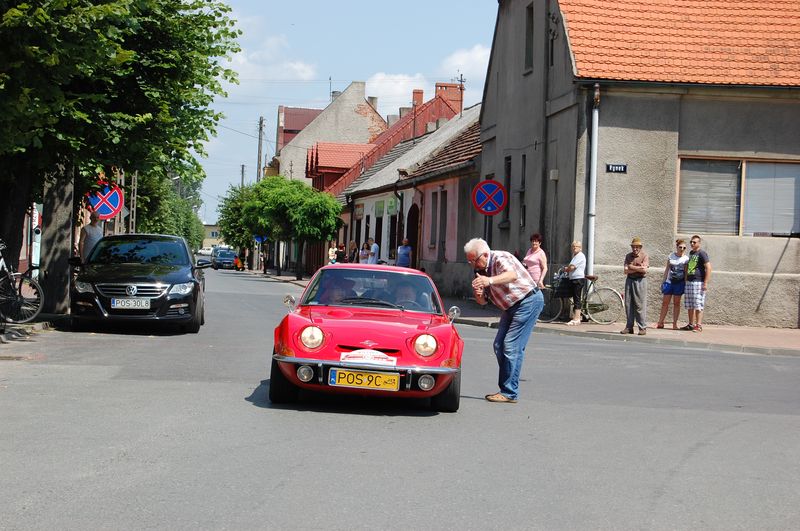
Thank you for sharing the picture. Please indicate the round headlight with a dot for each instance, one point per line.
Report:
(426, 382)
(425, 345)
(311, 337)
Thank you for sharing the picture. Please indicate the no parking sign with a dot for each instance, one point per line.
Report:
(107, 202)
(489, 197)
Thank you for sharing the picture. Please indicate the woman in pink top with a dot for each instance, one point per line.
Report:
(536, 261)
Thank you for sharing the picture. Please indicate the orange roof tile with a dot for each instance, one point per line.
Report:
(334, 155)
(721, 42)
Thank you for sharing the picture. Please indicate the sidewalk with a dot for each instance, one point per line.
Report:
(776, 341)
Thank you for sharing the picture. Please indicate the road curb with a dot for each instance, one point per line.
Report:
(609, 336)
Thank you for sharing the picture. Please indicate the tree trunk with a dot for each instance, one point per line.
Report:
(57, 244)
(299, 262)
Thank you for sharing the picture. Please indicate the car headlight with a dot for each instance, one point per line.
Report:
(425, 345)
(311, 337)
(83, 287)
(182, 289)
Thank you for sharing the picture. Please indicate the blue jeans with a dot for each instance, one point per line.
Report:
(513, 332)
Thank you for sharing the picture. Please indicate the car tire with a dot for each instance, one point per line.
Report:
(448, 400)
(281, 390)
(197, 320)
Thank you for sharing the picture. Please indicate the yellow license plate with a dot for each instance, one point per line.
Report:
(385, 381)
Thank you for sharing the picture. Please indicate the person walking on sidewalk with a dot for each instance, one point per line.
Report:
(503, 280)
(577, 277)
(673, 283)
(635, 268)
(698, 273)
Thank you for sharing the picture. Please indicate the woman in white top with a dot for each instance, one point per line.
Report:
(673, 283)
(577, 277)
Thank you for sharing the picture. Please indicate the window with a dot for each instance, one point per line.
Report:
(392, 236)
(529, 37)
(739, 197)
(434, 217)
(521, 195)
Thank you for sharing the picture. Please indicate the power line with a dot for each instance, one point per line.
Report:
(237, 131)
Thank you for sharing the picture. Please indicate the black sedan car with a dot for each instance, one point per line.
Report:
(223, 259)
(139, 277)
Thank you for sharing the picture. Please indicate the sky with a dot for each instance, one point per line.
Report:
(295, 52)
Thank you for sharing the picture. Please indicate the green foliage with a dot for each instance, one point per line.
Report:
(91, 84)
(162, 211)
(233, 225)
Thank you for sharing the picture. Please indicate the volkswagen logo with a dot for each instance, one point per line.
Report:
(131, 290)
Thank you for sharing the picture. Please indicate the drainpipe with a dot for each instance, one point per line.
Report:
(400, 219)
(593, 180)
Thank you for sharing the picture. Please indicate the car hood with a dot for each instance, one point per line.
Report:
(142, 273)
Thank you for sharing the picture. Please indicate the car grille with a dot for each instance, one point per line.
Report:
(151, 291)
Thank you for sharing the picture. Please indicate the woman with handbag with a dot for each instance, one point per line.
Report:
(673, 283)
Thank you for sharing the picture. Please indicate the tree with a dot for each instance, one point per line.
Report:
(285, 209)
(99, 83)
(234, 225)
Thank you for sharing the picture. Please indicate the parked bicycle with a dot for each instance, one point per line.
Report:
(21, 296)
(601, 305)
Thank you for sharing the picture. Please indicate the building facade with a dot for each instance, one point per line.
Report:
(656, 121)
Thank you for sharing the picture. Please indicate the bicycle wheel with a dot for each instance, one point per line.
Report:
(552, 306)
(21, 299)
(604, 305)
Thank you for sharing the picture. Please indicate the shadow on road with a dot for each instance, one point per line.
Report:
(347, 404)
(130, 329)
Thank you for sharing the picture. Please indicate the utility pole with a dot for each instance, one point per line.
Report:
(259, 172)
(242, 175)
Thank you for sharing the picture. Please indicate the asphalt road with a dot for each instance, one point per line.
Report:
(131, 429)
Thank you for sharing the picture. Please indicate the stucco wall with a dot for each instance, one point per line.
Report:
(348, 119)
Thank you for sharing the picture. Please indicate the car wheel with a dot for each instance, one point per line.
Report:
(281, 390)
(194, 325)
(448, 400)
(203, 314)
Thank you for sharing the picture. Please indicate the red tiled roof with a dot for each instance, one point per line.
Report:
(296, 118)
(333, 155)
(463, 148)
(730, 42)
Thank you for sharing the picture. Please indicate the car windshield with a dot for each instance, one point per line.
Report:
(139, 251)
(378, 289)
(225, 254)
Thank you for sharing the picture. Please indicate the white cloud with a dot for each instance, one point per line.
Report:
(472, 63)
(395, 90)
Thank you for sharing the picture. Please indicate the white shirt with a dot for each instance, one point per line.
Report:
(373, 258)
(579, 261)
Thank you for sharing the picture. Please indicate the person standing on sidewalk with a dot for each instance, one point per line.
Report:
(635, 267)
(673, 283)
(503, 280)
(536, 260)
(374, 251)
(352, 252)
(698, 273)
(577, 277)
(90, 235)
(404, 254)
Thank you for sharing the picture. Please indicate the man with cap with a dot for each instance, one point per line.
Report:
(635, 268)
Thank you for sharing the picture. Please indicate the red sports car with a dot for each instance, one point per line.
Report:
(369, 330)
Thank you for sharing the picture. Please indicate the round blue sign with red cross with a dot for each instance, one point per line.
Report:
(489, 197)
(107, 202)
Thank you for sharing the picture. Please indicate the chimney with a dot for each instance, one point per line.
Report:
(392, 119)
(335, 94)
(404, 111)
(417, 97)
(451, 92)
(373, 100)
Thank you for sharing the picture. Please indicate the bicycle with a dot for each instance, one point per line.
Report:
(601, 305)
(21, 296)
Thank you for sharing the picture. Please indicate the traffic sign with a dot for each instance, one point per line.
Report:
(489, 197)
(107, 202)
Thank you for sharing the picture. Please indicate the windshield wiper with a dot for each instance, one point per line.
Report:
(367, 300)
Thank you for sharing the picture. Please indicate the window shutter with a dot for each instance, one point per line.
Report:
(709, 196)
(772, 199)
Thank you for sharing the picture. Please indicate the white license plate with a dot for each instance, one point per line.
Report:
(130, 304)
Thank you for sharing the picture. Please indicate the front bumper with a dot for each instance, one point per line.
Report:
(409, 376)
(171, 308)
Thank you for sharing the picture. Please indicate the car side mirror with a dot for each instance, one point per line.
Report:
(75, 261)
(454, 313)
(202, 264)
(290, 302)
